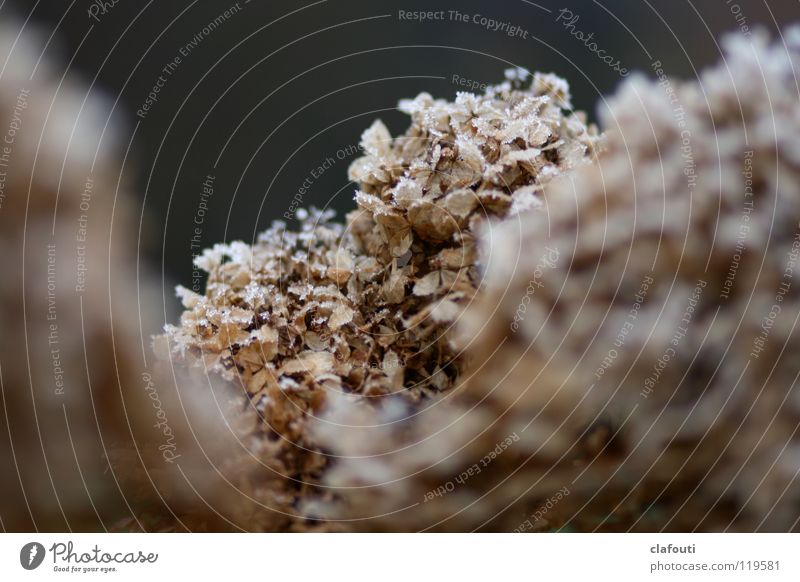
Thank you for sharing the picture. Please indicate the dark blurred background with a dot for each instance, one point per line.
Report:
(267, 91)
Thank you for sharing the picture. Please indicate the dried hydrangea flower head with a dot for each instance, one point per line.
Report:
(363, 311)
(641, 348)
(423, 195)
(461, 161)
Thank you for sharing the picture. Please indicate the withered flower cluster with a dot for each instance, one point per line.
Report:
(363, 311)
(640, 341)
(424, 195)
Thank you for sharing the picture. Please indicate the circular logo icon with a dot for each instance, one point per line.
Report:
(31, 555)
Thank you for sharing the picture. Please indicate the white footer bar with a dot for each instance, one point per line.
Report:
(406, 557)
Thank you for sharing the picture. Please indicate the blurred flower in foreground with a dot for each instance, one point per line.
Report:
(635, 339)
(65, 360)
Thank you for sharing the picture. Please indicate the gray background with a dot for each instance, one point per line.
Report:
(305, 85)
